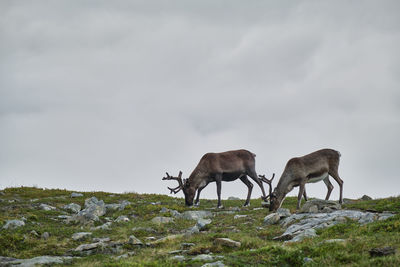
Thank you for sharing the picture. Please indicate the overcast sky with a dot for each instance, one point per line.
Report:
(108, 95)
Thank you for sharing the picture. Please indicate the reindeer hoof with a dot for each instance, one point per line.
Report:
(220, 207)
(197, 204)
(246, 205)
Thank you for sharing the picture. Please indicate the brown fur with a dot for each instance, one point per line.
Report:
(300, 170)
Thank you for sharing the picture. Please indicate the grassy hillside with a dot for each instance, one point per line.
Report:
(257, 247)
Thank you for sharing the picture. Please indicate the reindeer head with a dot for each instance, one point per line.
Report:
(184, 185)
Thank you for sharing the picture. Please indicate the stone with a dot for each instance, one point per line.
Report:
(162, 220)
(233, 198)
(167, 238)
(320, 204)
(202, 223)
(105, 226)
(179, 258)
(175, 213)
(196, 214)
(193, 230)
(72, 207)
(120, 206)
(12, 224)
(227, 242)
(337, 240)
(237, 209)
(73, 194)
(308, 233)
(133, 240)
(307, 259)
(379, 252)
(41, 260)
(365, 198)
(46, 207)
(203, 257)
(45, 236)
(214, 264)
(85, 247)
(164, 210)
(238, 216)
(122, 218)
(81, 236)
(34, 233)
(126, 255)
(272, 218)
(102, 239)
(283, 213)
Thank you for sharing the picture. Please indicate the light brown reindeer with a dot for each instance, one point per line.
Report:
(311, 168)
(217, 167)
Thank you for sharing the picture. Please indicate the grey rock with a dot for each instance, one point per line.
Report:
(46, 207)
(12, 224)
(203, 257)
(45, 235)
(63, 217)
(75, 208)
(122, 218)
(365, 197)
(283, 213)
(308, 233)
(151, 238)
(196, 214)
(120, 206)
(41, 260)
(237, 209)
(162, 220)
(214, 264)
(133, 240)
(307, 259)
(179, 258)
(164, 210)
(85, 247)
(227, 242)
(320, 203)
(202, 223)
(193, 230)
(233, 198)
(102, 239)
(93, 201)
(238, 216)
(175, 213)
(272, 218)
(34, 233)
(81, 236)
(73, 194)
(179, 251)
(385, 251)
(105, 226)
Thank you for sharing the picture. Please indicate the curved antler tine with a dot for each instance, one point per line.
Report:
(273, 176)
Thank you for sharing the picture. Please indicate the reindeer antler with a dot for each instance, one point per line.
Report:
(269, 182)
(179, 179)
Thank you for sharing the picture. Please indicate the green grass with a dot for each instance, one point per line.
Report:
(257, 249)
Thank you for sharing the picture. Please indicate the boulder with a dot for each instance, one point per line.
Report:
(203, 257)
(283, 213)
(316, 205)
(46, 207)
(73, 194)
(85, 247)
(81, 236)
(233, 198)
(227, 242)
(41, 260)
(72, 207)
(179, 258)
(122, 218)
(308, 233)
(12, 224)
(134, 241)
(214, 264)
(162, 220)
(202, 223)
(238, 216)
(45, 236)
(272, 218)
(105, 226)
(196, 214)
(365, 197)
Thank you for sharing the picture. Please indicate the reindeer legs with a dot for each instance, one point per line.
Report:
(218, 180)
(250, 188)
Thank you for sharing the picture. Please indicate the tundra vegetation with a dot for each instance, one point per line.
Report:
(136, 236)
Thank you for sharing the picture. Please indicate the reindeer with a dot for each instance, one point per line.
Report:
(217, 167)
(311, 168)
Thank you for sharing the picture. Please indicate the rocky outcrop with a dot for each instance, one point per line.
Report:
(227, 242)
(12, 224)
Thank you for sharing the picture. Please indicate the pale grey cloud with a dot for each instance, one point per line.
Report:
(109, 96)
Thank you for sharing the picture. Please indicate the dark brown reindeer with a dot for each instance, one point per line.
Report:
(217, 167)
(311, 168)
